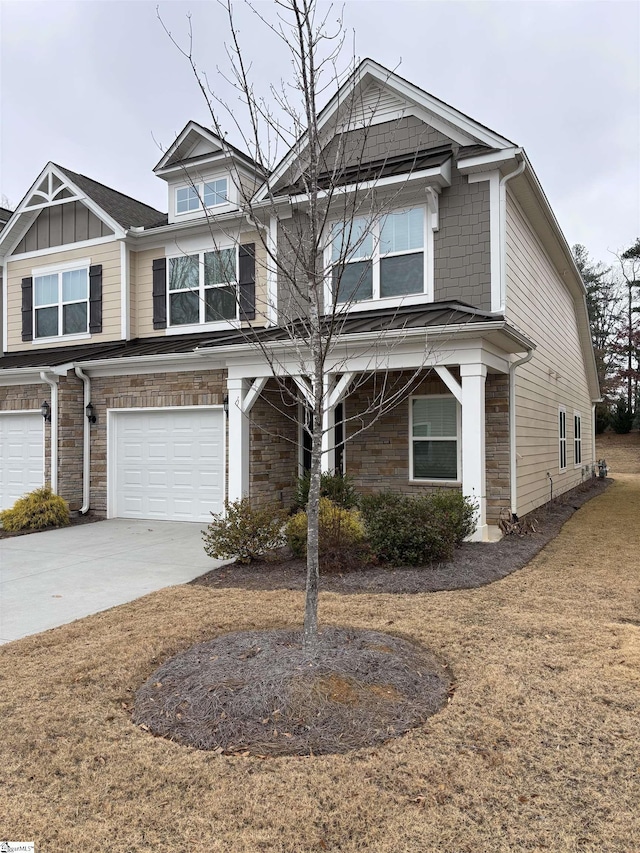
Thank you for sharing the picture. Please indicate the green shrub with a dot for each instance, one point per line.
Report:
(35, 511)
(245, 532)
(455, 511)
(603, 417)
(621, 417)
(338, 488)
(405, 530)
(341, 540)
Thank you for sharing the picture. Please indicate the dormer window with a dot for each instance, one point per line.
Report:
(208, 194)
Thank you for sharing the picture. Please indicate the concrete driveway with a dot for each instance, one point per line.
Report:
(49, 579)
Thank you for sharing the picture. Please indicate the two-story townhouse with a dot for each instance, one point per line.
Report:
(131, 379)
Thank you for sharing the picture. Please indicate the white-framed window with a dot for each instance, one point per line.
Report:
(434, 438)
(562, 438)
(202, 288)
(577, 439)
(208, 194)
(61, 302)
(383, 259)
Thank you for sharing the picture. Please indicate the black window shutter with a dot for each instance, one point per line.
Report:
(160, 293)
(95, 298)
(27, 309)
(247, 281)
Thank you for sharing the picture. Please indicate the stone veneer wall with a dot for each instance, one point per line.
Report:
(201, 388)
(497, 445)
(71, 419)
(378, 457)
(274, 447)
(15, 398)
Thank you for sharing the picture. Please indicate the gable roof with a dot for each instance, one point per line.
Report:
(126, 211)
(460, 127)
(180, 152)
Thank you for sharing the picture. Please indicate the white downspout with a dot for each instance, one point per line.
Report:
(513, 456)
(503, 228)
(86, 435)
(54, 430)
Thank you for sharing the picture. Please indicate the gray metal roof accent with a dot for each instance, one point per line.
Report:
(125, 210)
(374, 170)
(435, 314)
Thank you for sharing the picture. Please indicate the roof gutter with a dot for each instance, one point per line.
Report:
(503, 225)
(513, 455)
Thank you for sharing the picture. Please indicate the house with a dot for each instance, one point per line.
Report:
(128, 379)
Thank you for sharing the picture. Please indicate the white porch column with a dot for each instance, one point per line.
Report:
(328, 441)
(473, 378)
(238, 440)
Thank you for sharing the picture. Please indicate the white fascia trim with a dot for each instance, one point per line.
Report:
(5, 316)
(272, 272)
(66, 247)
(440, 176)
(166, 363)
(125, 293)
(491, 161)
(498, 284)
(209, 221)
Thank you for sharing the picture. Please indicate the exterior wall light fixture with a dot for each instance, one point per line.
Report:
(90, 413)
(45, 411)
(225, 404)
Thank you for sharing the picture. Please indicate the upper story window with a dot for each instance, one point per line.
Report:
(382, 259)
(208, 194)
(61, 303)
(203, 287)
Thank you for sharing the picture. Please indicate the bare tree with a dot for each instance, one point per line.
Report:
(323, 259)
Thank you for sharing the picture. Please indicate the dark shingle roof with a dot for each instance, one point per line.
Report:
(378, 320)
(125, 210)
(401, 164)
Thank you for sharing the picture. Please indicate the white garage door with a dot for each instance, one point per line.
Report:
(21, 455)
(166, 463)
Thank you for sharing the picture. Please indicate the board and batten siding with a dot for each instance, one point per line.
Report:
(142, 286)
(106, 254)
(539, 303)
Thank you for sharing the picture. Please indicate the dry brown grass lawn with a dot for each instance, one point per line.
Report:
(622, 452)
(537, 751)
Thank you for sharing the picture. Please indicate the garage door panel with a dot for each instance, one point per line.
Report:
(21, 455)
(167, 464)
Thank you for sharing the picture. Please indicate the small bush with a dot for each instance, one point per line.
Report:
(341, 537)
(338, 488)
(245, 532)
(405, 530)
(35, 511)
(455, 511)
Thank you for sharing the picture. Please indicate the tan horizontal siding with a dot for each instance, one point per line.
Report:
(541, 306)
(107, 254)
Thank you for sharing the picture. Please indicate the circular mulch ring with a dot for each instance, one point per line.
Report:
(256, 692)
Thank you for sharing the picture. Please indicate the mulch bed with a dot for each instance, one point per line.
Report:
(75, 520)
(257, 692)
(474, 564)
